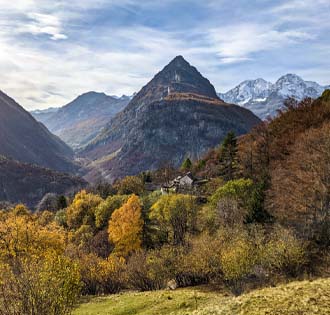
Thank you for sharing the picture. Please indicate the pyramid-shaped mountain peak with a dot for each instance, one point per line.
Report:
(180, 62)
(176, 77)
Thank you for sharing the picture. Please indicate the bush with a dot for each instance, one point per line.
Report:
(238, 257)
(101, 276)
(35, 277)
(44, 286)
(152, 270)
(201, 263)
(130, 185)
(284, 252)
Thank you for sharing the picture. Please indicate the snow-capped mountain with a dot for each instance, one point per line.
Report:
(265, 98)
(247, 91)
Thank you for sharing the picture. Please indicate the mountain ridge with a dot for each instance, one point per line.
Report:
(265, 98)
(80, 120)
(26, 140)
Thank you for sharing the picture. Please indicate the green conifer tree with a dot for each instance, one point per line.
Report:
(228, 157)
(186, 165)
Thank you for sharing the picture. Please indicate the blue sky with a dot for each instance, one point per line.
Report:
(51, 51)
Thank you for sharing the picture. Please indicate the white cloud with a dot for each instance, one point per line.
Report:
(39, 23)
(298, 5)
(238, 43)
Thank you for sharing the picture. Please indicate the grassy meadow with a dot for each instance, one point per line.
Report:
(295, 298)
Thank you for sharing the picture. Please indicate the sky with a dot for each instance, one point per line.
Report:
(54, 50)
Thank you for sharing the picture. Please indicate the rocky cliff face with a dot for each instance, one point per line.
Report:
(24, 139)
(27, 184)
(265, 98)
(176, 115)
(82, 119)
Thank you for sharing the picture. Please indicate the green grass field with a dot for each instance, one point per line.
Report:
(296, 298)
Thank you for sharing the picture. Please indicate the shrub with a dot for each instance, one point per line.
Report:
(138, 273)
(82, 237)
(284, 252)
(130, 185)
(35, 277)
(44, 286)
(238, 257)
(201, 262)
(101, 276)
(152, 270)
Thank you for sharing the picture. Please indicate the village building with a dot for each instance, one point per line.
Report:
(182, 184)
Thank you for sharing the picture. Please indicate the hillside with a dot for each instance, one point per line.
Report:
(25, 183)
(79, 121)
(24, 139)
(176, 115)
(306, 297)
(264, 98)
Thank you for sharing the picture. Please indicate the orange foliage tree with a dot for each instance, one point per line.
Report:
(125, 227)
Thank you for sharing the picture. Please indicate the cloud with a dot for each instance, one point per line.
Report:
(53, 50)
(239, 43)
(43, 24)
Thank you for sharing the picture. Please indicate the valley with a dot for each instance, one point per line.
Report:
(164, 157)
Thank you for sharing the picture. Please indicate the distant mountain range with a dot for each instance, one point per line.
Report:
(82, 119)
(265, 98)
(176, 115)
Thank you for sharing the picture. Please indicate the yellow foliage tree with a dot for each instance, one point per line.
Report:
(35, 275)
(21, 233)
(125, 227)
(82, 209)
(175, 215)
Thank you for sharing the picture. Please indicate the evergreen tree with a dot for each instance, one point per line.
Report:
(257, 212)
(228, 157)
(186, 165)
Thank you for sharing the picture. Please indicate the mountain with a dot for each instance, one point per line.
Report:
(24, 139)
(176, 115)
(265, 98)
(26, 183)
(79, 121)
(43, 114)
